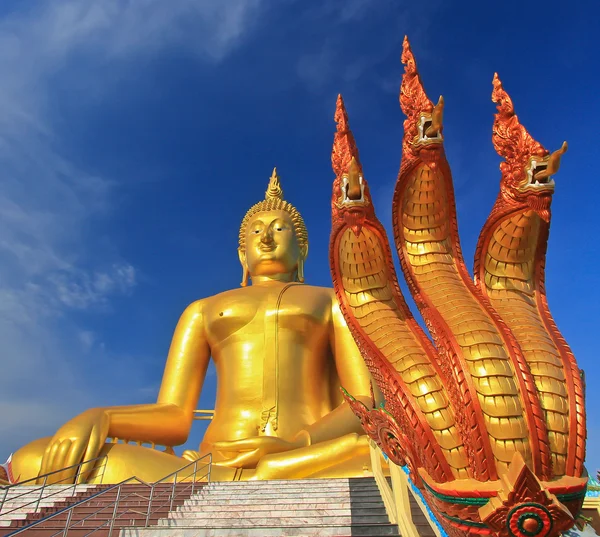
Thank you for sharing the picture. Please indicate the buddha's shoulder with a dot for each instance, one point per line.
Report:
(205, 302)
(248, 292)
(316, 294)
(317, 290)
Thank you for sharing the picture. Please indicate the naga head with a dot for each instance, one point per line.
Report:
(424, 122)
(528, 167)
(351, 200)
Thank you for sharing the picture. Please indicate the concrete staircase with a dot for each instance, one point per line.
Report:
(318, 507)
(20, 504)
(95, 515)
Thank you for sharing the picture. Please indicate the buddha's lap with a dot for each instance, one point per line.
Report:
(347, 454)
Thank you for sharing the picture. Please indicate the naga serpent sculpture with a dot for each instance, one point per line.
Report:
(488, 418)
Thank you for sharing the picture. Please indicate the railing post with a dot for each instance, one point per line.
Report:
(173, 492)
(77, 474)
(41, 494)
(69, 517)
(194, 478)
(149, 506)
(4, 499)
(114, 515)
(209, 467)
(104, 468)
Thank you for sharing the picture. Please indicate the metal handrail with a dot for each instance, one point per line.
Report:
(172, 495)
(45, 484)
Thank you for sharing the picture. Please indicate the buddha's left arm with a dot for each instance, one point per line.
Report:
(354, 377)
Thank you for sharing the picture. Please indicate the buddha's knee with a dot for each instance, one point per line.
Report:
(118, 462)
(27, 461)
(306, 461)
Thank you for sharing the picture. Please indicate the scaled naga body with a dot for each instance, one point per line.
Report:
(489, 418)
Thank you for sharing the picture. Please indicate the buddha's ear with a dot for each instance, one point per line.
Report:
(304, 252)
(301, 259)
(245, 273)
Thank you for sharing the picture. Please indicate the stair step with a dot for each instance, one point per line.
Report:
(356, 530)
(269, 521)
(317, 485)
(271, 506)
(252, 504)
(276, 513)
(278, 498)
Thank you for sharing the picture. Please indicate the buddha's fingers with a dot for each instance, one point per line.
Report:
(71, 459)
(91, 451)
(60, 461)
(46, 466)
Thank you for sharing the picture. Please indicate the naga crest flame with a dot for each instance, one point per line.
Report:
(351, 198)
(528, 166)
(423, 123)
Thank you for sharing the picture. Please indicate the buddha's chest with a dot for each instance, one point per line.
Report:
(248, 316)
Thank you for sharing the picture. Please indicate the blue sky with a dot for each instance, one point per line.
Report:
(134, 135)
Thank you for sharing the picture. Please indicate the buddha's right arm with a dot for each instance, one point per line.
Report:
(168, 421)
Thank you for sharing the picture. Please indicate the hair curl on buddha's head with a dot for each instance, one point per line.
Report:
(274, 202)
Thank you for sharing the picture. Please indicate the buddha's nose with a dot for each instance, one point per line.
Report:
(267, 235)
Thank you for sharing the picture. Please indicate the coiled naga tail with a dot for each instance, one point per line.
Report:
(489, 417)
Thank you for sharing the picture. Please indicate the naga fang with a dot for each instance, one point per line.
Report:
(489, 419)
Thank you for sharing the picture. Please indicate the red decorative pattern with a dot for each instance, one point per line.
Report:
(381, 427)
(529, 520)
(524, 508)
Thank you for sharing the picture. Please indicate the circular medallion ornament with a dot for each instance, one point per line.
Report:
(529, 520)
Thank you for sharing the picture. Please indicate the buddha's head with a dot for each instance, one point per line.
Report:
(273, 239)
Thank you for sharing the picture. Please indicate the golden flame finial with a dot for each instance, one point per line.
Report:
(344, 146)
(274, 190)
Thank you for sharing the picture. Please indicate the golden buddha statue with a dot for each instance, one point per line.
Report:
(281, 350)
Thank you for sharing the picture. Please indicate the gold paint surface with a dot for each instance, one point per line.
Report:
(429, 251)
(509, 282)
(363, 269)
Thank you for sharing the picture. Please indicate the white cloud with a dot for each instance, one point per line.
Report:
(48, 262)
(88, 289)
(332, 63)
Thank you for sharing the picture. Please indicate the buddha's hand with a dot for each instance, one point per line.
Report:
(246, 453)
(80, 439)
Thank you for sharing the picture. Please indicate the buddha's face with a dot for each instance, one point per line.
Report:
(271, 245)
